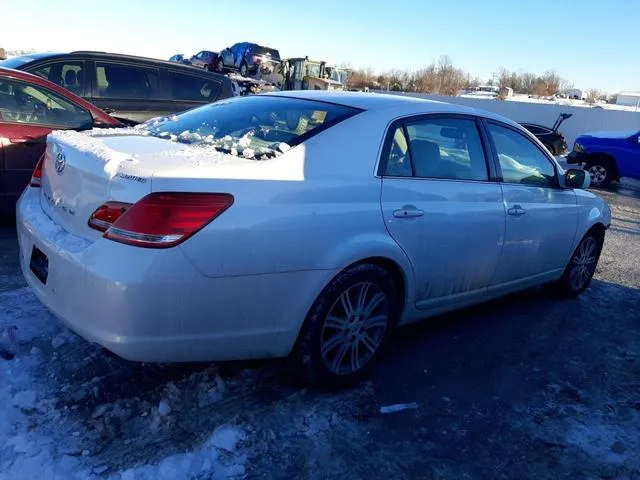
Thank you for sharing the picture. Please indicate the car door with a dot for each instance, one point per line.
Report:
(542, 218)
(441, 206)
(239, 51)
(228, 55)
(28, 112)
(131, 91)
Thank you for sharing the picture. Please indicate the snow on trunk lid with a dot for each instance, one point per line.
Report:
(81, 173)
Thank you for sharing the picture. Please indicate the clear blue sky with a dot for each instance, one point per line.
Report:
(593, 44)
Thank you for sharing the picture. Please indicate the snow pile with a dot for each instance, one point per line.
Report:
(204, 462)
(90, 144)
(30, 447)
(43, 435)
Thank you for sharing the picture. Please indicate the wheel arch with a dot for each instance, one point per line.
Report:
(400, 272)
(605, 157)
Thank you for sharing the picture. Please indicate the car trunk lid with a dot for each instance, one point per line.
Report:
(82, 171)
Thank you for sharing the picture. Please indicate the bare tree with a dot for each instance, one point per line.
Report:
(592, 96)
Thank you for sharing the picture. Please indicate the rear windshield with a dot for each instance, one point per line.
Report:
(258, 50)
(259, 126)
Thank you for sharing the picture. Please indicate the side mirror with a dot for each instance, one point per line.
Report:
(577, 178)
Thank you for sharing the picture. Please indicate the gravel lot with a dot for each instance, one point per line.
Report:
(525, 387)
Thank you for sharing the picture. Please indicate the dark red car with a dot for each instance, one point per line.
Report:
(30, 108)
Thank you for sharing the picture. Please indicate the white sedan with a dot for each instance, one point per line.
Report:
(303, 224)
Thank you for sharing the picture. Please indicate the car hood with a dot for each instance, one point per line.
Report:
(611, 134)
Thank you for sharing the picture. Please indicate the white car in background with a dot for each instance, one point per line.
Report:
(308, 224)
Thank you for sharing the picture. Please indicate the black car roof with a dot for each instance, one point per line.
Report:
(104, 55)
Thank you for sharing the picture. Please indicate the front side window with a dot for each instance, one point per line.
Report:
(446, 148)
(193, 88)
(521, 161)
(252, 126)
(22, 102)
(127, 81)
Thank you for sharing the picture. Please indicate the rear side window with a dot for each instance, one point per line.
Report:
(127, 81)
(252, 126)
(193, 88)
(445, 148)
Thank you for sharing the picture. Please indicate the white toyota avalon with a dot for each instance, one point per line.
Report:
(302, 224)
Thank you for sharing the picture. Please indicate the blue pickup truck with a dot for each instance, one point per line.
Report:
(608, 155)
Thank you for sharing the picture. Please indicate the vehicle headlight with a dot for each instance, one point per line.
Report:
(577, 147)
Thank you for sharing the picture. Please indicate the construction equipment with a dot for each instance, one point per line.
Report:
(304, 74)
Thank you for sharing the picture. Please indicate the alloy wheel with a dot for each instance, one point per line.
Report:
(354, 328)
(584, 263)
(598, 174)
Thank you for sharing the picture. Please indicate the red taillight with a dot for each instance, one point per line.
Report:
(36, 176)
(165, 219)
(257, 59)
(107, 214)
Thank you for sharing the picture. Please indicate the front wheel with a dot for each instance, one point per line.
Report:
(348, 326)
(600, 172)
(219, 66)
(582, 266)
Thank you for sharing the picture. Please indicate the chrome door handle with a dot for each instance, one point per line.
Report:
(516, 211)
(408, 212)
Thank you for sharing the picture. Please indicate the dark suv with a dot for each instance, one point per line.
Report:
(133, 89)
(248, 58)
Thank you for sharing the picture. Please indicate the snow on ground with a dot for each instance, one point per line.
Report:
(41, 438)
(73, 411)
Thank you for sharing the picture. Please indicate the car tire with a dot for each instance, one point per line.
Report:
(601, 172)
(582, 266)
(219, 66)
(244, 69)
(347, 327)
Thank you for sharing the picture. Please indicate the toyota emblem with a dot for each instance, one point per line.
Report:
(61, 162)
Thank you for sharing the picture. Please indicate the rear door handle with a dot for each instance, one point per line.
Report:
(516, 211)
(408, 211)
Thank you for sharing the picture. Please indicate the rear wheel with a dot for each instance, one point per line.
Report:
(601, 172)
(219, 66)
(244, 69)
(348, 326)
(582, 266)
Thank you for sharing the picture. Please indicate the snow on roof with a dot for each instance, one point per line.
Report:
(630, 94)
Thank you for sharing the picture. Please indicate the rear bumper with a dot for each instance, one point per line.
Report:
(153, 305)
